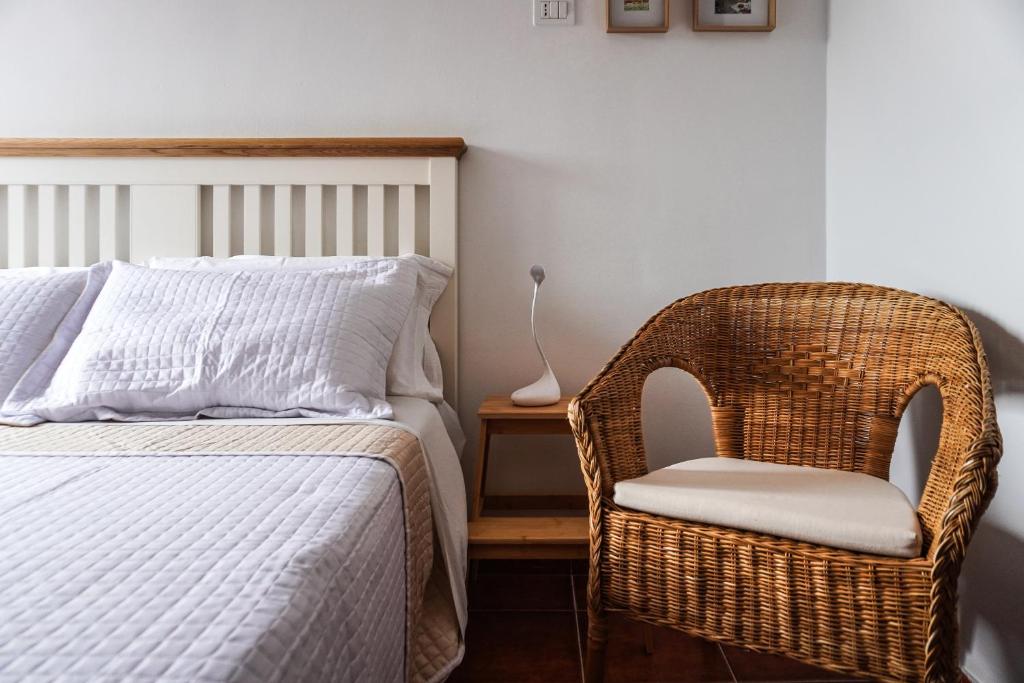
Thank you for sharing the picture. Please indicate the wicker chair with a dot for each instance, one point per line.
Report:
(814, 374)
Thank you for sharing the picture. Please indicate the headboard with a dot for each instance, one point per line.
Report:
(78, 201)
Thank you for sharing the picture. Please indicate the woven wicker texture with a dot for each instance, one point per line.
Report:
(814, 374)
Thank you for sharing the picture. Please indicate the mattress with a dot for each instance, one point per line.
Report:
(231, 552)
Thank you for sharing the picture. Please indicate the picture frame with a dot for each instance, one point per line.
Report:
(733, 15)
(636, 16)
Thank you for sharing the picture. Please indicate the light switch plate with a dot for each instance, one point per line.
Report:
(554, 12)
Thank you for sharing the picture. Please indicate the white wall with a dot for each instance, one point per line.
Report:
(637, 169)
(925, 172)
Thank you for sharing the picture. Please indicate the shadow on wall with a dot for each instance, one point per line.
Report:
(992, 600)
(1005, 354)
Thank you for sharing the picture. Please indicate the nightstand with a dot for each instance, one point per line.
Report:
(531, 537)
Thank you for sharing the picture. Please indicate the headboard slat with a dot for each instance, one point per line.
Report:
(113, 223)
(22, 226)
(375, 220)
(406, 219)
(3, 226)
(83, 225)
(252, 219)
(283, 220)
(345, 225)
(53, 225)
(221, 221)
(314, 220)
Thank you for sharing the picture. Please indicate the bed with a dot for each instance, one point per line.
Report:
(294, 548)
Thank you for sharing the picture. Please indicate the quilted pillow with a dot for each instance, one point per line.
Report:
(173, 344)
(414, 368)
(33, 302)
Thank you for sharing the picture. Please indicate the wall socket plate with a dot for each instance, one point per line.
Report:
(554, 12)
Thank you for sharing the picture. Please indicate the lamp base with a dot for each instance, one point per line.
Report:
(544, 392)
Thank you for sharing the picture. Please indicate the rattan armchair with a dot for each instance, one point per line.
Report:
(813, 374)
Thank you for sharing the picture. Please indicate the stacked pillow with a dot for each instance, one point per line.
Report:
(252, 337)
(33, 302)
(415, 367)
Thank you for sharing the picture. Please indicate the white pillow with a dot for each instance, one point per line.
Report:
(163, 344)
(414, 368)
(33, 302)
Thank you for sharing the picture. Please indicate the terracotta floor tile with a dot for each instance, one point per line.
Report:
(530, 592)
(677, 657)
(520, 647)
(755, 666)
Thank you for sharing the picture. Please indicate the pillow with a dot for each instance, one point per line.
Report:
(172, 344)
(33, 303)
(848, 510)
(414, 368)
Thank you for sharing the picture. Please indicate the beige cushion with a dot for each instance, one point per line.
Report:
(827, 507)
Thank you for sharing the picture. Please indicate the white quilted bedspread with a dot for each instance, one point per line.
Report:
(201, 568)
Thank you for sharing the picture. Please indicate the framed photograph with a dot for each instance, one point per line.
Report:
(637, 16)
(733, 15)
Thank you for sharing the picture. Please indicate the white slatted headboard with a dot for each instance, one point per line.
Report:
(78, 201)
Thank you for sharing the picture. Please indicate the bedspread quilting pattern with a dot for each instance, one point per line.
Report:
(201, 568)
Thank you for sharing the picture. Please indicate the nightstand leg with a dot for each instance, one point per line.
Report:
(481, 471)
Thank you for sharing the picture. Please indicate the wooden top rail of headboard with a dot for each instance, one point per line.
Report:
(232, 147)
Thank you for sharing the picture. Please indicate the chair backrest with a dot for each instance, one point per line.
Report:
(820, 373)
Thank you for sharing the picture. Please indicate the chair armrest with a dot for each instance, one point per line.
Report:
(959, 488)
(606, 416)
(609, 442)
(962, 478)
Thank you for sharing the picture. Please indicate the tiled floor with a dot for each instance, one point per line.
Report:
(528, 620)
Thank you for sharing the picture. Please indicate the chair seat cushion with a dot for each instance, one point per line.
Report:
(828, 507)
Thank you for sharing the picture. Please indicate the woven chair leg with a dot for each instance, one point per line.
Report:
(597, 640)
(594, 666)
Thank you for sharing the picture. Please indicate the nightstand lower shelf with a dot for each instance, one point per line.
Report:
(504, 537)
(528, 537)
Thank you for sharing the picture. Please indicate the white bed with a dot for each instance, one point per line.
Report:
(216, 565)
(274, 549)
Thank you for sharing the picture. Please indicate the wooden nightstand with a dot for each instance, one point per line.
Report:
(493, 537)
